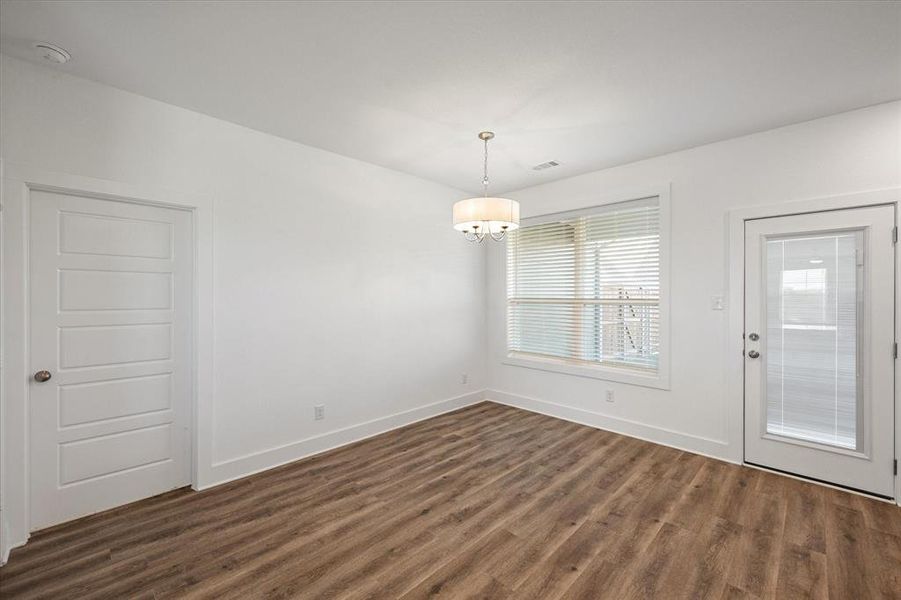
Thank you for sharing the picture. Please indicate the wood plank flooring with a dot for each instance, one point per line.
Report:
(485, 502)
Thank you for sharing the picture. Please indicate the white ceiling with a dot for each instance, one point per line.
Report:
(408, 85)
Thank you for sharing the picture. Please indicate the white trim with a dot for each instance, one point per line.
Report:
(583, 206)
(658, 435)
(588, 211)
(5, 543)
(264, 460)
(599, 371)
(5, 548)
(734, 344)
(17, 181)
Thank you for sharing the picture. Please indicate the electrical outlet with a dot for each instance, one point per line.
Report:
(610, 396)
(319, 412)
(464, 378)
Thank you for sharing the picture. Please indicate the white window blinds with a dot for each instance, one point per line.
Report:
(814, 299)
(585, 287)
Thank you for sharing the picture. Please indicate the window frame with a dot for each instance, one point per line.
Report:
(660, 379)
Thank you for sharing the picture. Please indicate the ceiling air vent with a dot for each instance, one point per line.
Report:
(546, 165)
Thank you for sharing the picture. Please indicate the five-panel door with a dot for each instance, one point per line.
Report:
(110, 349)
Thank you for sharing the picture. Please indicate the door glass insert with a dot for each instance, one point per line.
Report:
(814, 300)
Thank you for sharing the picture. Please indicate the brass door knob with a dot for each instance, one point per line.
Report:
(42, 376)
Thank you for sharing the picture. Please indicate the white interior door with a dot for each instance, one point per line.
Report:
(819, 341)
(110, 324)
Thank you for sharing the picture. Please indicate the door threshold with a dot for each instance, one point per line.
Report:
(829, 484)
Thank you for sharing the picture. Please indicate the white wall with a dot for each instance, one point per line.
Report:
(336, 281)
(846, 153)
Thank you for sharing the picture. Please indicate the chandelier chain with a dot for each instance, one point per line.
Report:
(485, 169)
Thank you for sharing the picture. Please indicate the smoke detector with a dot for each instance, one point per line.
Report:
(52, 53)
(546, 165)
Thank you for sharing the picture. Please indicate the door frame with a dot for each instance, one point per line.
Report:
(734, 342)
(17, 183)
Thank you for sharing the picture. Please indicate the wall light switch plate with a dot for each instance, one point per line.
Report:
(319, 412)
(717, 303)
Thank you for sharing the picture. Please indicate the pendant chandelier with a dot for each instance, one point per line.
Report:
(478, 218)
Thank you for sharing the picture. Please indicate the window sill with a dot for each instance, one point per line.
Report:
(619, 375)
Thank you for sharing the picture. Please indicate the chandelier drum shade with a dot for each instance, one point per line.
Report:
(486, 216)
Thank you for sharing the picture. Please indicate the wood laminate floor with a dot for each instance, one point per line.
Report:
(485, 502)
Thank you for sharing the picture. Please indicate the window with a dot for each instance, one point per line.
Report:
(584, 288)
(814, 303)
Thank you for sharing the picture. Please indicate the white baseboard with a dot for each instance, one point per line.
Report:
(5, 543)
(243, 466)
(709, 447)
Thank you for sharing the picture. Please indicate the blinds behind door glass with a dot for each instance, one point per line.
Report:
(587, 288)
(813, 299)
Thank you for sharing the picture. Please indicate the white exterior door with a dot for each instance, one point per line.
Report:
(110, 324)
(819, 337)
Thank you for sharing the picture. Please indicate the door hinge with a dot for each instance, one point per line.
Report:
(895, 234)
(895, 350)
(896, 466)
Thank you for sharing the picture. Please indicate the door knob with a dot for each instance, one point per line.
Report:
(754, 337)
(42, 376)
(753, 354)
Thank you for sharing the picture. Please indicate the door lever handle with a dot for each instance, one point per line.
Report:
(42, 376)
(753, 354)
